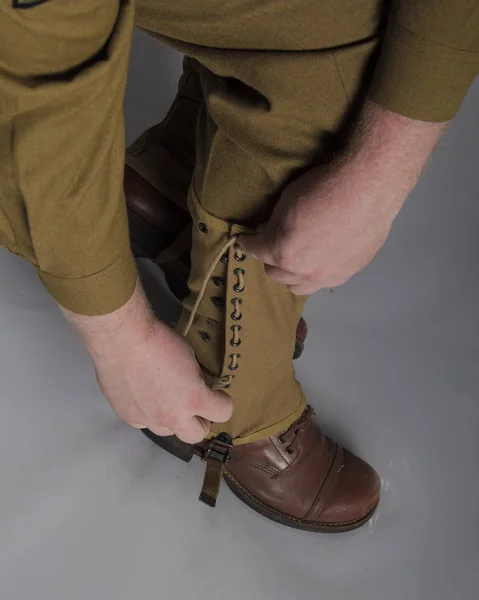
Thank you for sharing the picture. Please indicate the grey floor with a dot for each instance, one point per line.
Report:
(91, 509)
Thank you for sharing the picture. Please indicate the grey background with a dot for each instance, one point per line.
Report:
(89, 508)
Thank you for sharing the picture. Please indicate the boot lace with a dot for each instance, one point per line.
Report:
(225, 380)
(292, 436)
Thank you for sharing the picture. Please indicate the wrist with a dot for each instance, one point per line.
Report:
(114, 335)
(391, 145)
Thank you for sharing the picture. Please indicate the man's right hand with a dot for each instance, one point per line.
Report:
(149, 374)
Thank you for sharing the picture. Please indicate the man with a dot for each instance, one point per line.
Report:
(299, 129)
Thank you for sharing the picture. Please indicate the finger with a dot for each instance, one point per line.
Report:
(159, 430)
(281, 276)
(257, 246)
(216, 406)
(334, 282)
(192, 430)
(304, 289)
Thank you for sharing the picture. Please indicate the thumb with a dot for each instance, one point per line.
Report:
(215, 405)
(258, 246)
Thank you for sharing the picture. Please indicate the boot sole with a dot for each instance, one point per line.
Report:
(273, 515)
(172, 445)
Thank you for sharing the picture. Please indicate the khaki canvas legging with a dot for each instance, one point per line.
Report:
(266, 92)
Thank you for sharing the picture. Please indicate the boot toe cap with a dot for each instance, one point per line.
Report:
(354, 496)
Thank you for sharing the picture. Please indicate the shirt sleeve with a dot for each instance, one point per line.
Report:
(63, 69)
(429, 58)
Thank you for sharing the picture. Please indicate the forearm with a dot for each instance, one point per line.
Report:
(112, 334)
(390, 148)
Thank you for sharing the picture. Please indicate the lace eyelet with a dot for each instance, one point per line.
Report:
(203, 227)
(289, 451)
(205, 336)
(235, 341)
(234, 362)
(281, 440)
(239, 287)
(236, 315)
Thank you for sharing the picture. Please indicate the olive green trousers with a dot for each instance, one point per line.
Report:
(245, 121)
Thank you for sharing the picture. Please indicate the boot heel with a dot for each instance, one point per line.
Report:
(171, 444)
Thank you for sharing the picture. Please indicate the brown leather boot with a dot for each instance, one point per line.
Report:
(155, 223)
(303, 479)
(299, 478)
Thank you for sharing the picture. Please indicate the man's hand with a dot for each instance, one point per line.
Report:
(330, 223)
(149, 374)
